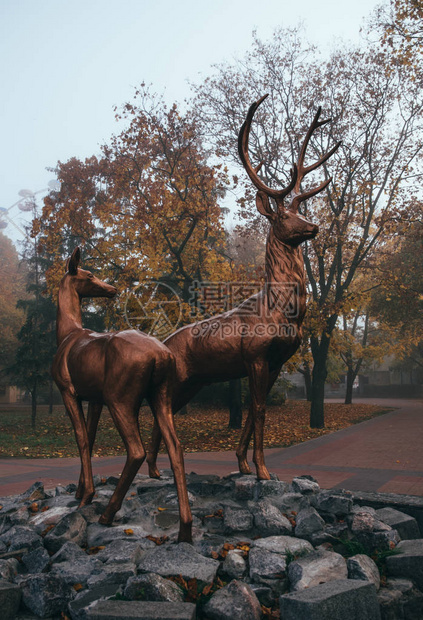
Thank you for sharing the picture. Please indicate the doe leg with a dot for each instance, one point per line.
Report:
(163, 414)
(76, 414)
(126, 421)
(93, 416)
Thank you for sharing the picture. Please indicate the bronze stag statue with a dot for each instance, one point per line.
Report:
(256, 338)
(119, 370)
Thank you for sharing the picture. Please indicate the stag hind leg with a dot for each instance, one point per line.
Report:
(153, 450)
(76, 414)
(162, 411)
(93, 416)
(126, 421)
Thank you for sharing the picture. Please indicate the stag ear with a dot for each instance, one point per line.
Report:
(263, 206)
(73, 262)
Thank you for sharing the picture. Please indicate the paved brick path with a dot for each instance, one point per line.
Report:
(383, 454)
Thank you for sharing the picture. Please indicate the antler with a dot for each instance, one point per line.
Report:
(303, 170)
(243, 136)
(298, 171)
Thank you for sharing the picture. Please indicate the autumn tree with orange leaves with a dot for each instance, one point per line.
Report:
(377, 114)
(145, 209)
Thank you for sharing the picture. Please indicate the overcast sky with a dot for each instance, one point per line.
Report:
(66, 63)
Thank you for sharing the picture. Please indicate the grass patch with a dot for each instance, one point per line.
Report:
(203, 429)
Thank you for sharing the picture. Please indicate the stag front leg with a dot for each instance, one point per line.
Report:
(244, 442)
(258, 374)
(153, 451)
(247, 431)
(74, 410)
(93, 416)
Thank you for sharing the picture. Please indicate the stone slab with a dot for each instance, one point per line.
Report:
(408, 561)
(406, 526)
(10, 598)
(140, 610)
(410, 504)
(343, 599)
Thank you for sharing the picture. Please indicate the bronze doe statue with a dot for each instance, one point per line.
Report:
(119, 370)
(254, 343)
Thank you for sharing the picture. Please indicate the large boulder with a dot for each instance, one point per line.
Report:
(342, 599)
(180, 559)
(10, 598)
(46, 595)
(308, 522)
(152, 587)
(234, 565)
(362, 567)
(236, 601)
(21, 537)
(72, 527)
(122, 610)
(316, 568)
(266, 565)
(407, 561)
(269, 520)
(284, 544)
(405, 525)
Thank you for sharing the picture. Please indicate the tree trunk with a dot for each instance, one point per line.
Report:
(307, 381)
(33, 406)
(235, 404)
(320, 355)
(50, 397)
(349, 387)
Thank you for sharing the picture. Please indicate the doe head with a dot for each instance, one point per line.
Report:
(84, 282)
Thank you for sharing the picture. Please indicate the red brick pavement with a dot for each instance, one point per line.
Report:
(383, 454)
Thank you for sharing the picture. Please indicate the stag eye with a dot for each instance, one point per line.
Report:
(91, 276)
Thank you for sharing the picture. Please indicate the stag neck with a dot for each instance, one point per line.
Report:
(69, 317)
(285, 265)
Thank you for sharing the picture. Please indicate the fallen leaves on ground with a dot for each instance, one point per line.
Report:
(202, 429)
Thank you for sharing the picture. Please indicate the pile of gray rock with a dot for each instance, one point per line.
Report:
(262, 549)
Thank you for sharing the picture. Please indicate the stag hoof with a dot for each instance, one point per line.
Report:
(185, 534)
(105, 520)
(153, 472)
(85, 500)
(262, 473)
(244, 468)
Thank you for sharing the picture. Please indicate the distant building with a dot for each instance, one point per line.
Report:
(10, 394)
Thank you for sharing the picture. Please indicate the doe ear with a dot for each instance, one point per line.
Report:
(73, 262)
(263, 206)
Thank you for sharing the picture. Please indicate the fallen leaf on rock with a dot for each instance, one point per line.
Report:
(159, 540)
(47, 530)
(95, 550)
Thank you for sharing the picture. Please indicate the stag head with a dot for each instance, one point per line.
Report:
(288, 224)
